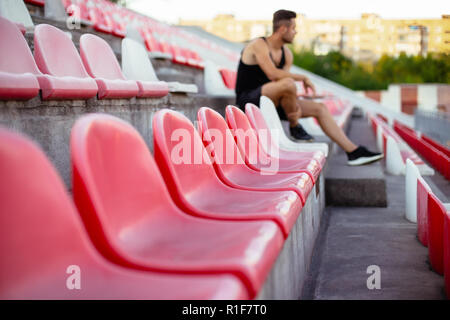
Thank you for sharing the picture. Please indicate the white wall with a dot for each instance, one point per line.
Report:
(391, 98)
(427, 98)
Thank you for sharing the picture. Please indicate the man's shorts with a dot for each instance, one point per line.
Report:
(253, 96)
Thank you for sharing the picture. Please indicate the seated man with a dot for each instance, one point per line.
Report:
(264, 70)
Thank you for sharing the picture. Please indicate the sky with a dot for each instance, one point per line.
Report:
(172, 10)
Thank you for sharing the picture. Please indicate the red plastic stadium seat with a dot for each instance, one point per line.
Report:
(447, 252)
(429, 149)
(84, 11)
(21, 27)
(151, 43)
(128, 211)
(436, 214)
(118, 29)
(65, 76)
(406, 153)
(193, 58)
(66, 3)
(43, 238)
(437, 145)
(39, 3)
(422, 210)
(17, 67)
(229, 78)
(230, 166)
(100, 23)
(101, 63)
(256, 158)
(258, 123)
(195, 187)
(149, 89)
(379, 115)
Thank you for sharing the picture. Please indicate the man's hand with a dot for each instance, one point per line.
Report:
(308, 84)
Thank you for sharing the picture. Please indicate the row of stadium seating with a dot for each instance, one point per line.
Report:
(66, 75)
(60, 73)
(432, 218)
(395, 149)
(155, 233)
(436, 154)
(113, 19)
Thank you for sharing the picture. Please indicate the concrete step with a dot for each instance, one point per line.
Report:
(351, 240)
(358, 186)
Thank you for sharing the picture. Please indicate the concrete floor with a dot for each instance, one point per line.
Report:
(353, 238)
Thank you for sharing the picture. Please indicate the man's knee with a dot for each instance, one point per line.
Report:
(288, 86)
(321, 110)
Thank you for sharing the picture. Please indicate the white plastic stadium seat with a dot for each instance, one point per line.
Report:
(412, 173)
(274, 123)
(17, 12)
(136, 65)
(214, 84)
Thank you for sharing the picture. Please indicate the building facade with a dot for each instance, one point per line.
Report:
(364, 39)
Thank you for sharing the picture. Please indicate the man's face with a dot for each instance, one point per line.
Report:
(289, 31)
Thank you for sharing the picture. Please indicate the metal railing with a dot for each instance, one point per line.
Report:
(434, 124)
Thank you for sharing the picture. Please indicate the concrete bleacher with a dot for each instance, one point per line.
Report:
(355, 235)
(278, 264)
(50, 122)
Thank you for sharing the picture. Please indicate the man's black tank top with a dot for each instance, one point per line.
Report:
(252, 76)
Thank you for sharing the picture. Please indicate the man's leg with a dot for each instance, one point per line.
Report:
(326, 122)
(284, 92)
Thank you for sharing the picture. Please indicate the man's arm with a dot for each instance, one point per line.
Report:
(262, 55)
(289, 60)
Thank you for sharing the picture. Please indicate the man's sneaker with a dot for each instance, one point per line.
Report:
(298, 133)
(362, 156)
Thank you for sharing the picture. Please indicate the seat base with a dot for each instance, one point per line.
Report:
(149, 89)
(18, 86)
(116, 89)
(67, 87)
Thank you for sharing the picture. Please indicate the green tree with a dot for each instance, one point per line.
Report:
(402, 69)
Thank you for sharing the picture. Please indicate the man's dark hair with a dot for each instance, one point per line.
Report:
(282, 17)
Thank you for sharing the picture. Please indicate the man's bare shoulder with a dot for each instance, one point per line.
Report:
(255, 44)
(287, 50)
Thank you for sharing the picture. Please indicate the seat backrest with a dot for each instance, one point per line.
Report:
(16, 11)
(214, 84)
(218, 141)
(116, 183)
(15, 55)
(98, 58)
(55, 53)
(422, 209)
(101, 18)
(151, 43)
(136, 64)
(259, 124)
(332, 107)
(437, 145)
(270, 113)
(245, 136)
(229, 78)
(436, 214)
(41, 233)
(411, 175)
(180, 154)
(132, 32)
